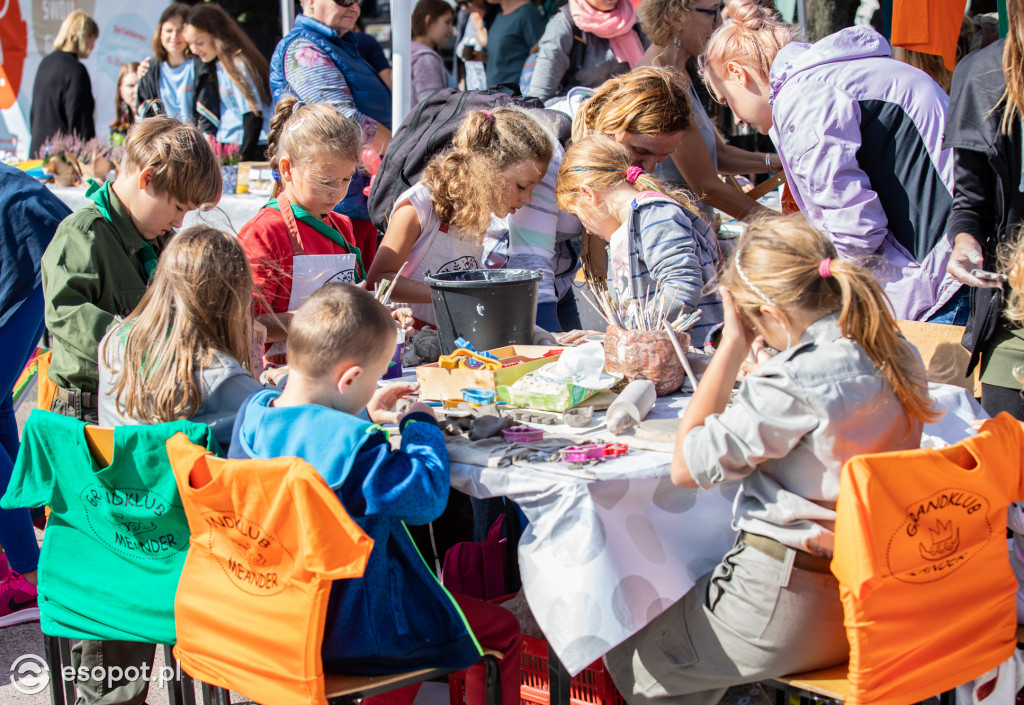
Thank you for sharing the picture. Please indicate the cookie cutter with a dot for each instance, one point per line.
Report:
(522, 434)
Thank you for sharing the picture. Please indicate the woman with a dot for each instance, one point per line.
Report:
(984, 131)
(702, 154)
(585, 43)
(126, 99)
(62, 99)
(475, 16)
(432, 27)
(823, 104)
(319, 62)
(185, 87)
(242, 78)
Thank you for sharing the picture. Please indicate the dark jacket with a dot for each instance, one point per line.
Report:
(205, 98)
(987, 199)
(61, 100)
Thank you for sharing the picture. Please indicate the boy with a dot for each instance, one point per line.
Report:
(396, 617)
(95, 270)
(102, 256)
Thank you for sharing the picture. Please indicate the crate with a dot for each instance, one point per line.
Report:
(593, 686)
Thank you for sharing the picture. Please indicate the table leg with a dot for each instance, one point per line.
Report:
(558, 678)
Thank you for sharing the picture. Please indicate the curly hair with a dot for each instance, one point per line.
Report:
(654, 16)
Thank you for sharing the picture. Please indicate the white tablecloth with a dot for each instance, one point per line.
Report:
(602, 557)
(229, 215)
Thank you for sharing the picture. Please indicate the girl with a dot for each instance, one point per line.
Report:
(823, 105)
(174, 82)
(845, 383)
(432, 27)
(126, 99)
(439, 225)
(296, 243)
(242, 77)
(654, 241)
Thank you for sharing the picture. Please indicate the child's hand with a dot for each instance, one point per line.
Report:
(259, 334)
(381, 406)
(757, 357)
(574, 337)
(735, 327)
(418, 407)
(273, 375)
(403, 316)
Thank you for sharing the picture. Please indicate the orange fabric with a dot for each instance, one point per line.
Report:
(268, 537)
(928, 26)
(46, 388)
(921, 558)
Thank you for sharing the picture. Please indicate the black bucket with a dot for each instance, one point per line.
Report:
(488, 307)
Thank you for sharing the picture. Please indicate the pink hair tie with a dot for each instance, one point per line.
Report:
(488, 114)
(825, 268)
(633, 173)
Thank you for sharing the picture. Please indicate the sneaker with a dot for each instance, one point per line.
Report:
(17, 600)
(5, 568)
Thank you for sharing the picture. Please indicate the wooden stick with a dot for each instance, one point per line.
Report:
(681, 355)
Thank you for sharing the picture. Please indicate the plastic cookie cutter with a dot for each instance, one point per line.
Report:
(478, 396)
(467, 360)
(522, 434)
(594, 451)
(466, 345)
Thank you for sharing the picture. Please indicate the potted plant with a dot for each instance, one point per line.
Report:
(98, 158)
(60, 155)
(228, 158)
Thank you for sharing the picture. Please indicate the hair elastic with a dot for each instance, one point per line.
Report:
(298, 104)
(296, 125)
(825, 268)
(488, 114)
(276, 175)
(746, 280)
(633, 173)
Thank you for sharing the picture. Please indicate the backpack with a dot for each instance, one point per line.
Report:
(477, 568)
(429, 129)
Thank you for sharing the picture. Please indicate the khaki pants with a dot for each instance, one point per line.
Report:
(749, 619)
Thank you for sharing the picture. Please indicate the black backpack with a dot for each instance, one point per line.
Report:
(429, 129)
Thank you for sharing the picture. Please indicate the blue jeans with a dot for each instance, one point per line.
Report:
(18, 338)
(956, 311)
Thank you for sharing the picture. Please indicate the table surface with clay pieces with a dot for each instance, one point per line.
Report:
(610, 545)
(229, 215)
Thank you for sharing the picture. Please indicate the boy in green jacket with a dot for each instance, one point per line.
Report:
(102, 256)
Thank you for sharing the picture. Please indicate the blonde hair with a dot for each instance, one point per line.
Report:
(338, 322)
(311, 136)
(200, 301)
(1013, 66)
(646, 101)
(466, 184)
(931, 64)
(753, 38)
(74, 34)
(654, 18)
(183, 162)
(601, 163)
(777, 261)
(1011, 263)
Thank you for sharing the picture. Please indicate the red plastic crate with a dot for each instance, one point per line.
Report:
(593, 685)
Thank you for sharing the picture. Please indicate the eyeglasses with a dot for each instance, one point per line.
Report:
(717, 12)
(346, 3)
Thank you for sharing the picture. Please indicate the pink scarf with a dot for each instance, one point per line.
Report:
(615, 26)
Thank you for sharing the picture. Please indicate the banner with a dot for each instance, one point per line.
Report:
(27, 30)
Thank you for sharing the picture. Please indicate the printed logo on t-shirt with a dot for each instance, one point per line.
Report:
(129, 521)
(940, 534)
(346, 277)
(252, 558)
(461, 264)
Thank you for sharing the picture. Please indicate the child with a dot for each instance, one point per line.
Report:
(95, 270)
(102, 256)
(439, 225)
(845, 383)
(340, 343)
(126, 99)
(655, 242)
(185, 351)
(431, 29)
(296, 243)
(243, 77)
(174, 82)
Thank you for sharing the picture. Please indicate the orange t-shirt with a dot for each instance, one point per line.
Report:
(928, 26)
(922, 563)
(268, 537)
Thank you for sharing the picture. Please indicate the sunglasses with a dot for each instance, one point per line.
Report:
(716, 12)
(346, 3)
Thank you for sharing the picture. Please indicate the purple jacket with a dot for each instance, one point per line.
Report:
(860, 136)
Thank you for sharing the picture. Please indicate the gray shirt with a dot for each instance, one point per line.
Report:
(788, 431)
(225, 385)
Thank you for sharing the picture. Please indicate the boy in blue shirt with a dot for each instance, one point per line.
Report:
(396, 617)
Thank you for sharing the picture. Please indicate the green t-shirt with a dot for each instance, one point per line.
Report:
(1005, 353)
(117, 536)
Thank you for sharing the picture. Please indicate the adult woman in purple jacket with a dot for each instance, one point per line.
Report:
(860, 137)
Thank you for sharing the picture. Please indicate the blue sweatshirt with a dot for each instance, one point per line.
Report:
(397, 616)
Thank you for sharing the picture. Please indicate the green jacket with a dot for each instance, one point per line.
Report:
(93, 271)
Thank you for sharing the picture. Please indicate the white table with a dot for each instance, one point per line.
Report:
(229, 215)
(603, 556)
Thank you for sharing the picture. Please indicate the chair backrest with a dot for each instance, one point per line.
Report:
(100, 440)
(268, 539)
(943, 355)
(921, 557)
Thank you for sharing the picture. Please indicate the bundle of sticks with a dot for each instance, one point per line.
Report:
(383, 289)
(649, 313)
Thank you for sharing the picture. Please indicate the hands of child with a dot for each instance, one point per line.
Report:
(403, 316)
(143, 68)
(736, 328)
(273, 375)
(574, 337)
(757, 357)
(381, 406)
(418, 407)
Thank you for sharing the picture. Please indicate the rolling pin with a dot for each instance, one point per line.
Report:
(632, 405)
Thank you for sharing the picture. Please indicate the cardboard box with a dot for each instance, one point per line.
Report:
(438, 384)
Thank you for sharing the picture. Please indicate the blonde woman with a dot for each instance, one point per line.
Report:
(62, 99)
